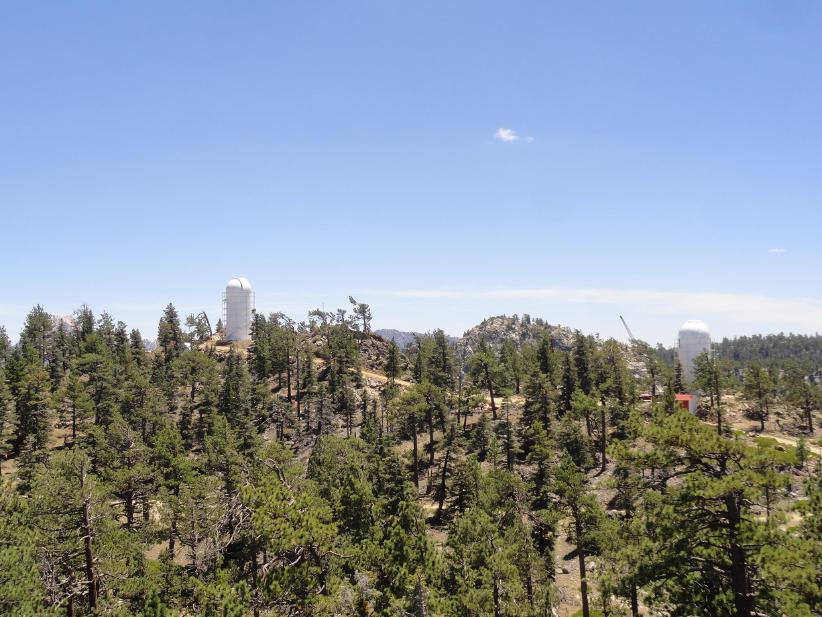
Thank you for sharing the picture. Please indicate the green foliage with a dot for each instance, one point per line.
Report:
(185, 485)
(22, 593)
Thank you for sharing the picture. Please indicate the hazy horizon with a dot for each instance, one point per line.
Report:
(576, 309)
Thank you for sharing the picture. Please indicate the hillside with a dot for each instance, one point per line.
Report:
(306, 472)
(520, 331)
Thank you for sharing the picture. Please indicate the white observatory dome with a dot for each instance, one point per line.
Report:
(238, 303)
(239, 282)
(694, 340)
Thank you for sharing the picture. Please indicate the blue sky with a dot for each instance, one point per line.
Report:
(656, 160)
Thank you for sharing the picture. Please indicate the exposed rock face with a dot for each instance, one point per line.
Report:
(374, 352)
(519, 331)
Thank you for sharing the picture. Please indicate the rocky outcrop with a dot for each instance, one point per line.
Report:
(518, 330)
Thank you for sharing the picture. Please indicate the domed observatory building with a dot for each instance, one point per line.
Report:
(238, 303)
(694, 340)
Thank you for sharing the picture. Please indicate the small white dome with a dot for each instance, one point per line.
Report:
(239, 282)
(694, 325)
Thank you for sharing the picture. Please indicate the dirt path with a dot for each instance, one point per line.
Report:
(792, 441)
(747, 428)
(382, 378)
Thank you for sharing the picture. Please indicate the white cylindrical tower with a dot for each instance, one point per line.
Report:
(694, 339)
(238, 302)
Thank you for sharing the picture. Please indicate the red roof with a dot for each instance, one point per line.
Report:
(684, 397)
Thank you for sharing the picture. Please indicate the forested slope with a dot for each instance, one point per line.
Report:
(321, 471)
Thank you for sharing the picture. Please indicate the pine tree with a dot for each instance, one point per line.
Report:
(679, 384)
(569, 485)
(402, 547)
(6, 417)
(582, 364)
(710, 377)
(5, 346)
(511, 365)
(32, 394)
(802, 394)
(538, 408)
(363, 313)
(138, 350)
(37, 333)
(235, 401)
(758, 387)
(545, 357)
(441, 362)
(411, 407)
(484, 370)
(95, 365)
(22, 592)
(704, 530)
(568, 387)
(295, 532)
(84, 540)
(491, 562)
(74, 405)
(392, 362)
(84, 318)
(171, 469)
(170, 336)
(123, 461)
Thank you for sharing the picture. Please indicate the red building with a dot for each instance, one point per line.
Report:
(688, 402)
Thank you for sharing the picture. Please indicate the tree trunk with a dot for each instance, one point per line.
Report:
(583, 582)
(443, 485)
(634, 602)
(288, 371)
(603, 441)
(430, 439)
(490, 392)
(459, 399)
(298, 385)
(173, 531)
(129, 503)
(718, 404)
(497, 611)
(415, 453)
(653, 386)
(739, 574)
(91, 578)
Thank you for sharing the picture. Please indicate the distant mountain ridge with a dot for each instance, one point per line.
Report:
(402, 339)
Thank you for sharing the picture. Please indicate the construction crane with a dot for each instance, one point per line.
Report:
(208, 323)
(628, 330)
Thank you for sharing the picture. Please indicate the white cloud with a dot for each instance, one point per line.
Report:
(506, 135)
(804, 313)
(777, 251)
